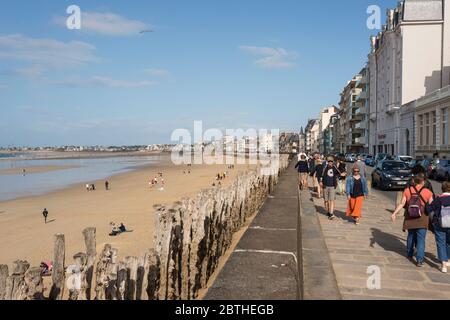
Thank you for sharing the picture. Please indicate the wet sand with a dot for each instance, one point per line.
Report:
(32, 170)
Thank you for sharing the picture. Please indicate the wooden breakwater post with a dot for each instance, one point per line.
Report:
(58, 273)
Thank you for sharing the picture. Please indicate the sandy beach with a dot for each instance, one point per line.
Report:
(130, 200)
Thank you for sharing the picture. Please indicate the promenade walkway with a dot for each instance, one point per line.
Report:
(265, 264)
(378, 242)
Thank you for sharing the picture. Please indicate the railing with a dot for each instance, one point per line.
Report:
(434, 96)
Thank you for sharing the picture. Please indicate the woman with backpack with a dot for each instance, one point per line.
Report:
(441, 224)
(416, 222)
(356, 190)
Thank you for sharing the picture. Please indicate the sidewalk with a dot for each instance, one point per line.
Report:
(378, 242)
(264, 266)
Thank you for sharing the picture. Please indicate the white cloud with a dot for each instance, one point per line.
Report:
(46, 53)
(272, 58)
(107, 23)
(106, 82)
(157, 72)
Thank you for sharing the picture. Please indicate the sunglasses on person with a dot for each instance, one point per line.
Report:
(356, 171)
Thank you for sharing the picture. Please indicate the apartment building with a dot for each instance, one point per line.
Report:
(410, 59)
(324, 134)
(353, 118)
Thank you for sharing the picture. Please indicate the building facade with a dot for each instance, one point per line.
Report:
(410, 58)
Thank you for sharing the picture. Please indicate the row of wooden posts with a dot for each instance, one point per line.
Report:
(190, 238)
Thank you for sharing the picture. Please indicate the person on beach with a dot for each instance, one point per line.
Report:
(122, 227)
(329, 182)
(45, 214)
(342, 167)
(356, 190)
(106, 185)
(114, 229)
(416, 221)
(317, 176)
(441, 224)
(303, 170)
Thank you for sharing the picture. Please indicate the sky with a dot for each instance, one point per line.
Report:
(232, 64)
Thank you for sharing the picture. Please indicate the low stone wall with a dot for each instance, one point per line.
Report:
(191, 236)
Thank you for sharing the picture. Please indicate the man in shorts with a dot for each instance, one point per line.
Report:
(329, 183)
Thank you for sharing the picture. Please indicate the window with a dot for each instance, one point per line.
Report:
(421, 129)
(434, 119)
(444, 126)
(427, 129)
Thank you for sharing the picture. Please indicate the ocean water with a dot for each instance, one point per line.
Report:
(13, 186)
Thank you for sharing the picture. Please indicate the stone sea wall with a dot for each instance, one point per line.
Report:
(191, 237)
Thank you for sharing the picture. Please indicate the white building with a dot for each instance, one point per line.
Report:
(410, 58)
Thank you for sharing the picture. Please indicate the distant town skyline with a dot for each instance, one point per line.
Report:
(230, 64)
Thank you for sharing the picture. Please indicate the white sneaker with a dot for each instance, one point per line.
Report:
(444, 270)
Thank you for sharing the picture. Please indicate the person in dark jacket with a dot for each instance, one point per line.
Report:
(329, 182)
(442, 234)
(302, 167)
(317, 176)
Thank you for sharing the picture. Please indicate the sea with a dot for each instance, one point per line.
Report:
(82, 172)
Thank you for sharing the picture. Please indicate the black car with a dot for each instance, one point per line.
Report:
(391, 174)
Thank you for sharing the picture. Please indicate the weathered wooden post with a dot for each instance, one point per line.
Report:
(4, 273)
(132, 269)
(89, 235)
(154, 276)
(78, 292)
(142, 277)
(33, 288)
(57, 290)
(122, 275)
(106, 275)
(16, 281)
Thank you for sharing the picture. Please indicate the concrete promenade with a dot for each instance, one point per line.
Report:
(265, 264)
(379, 242)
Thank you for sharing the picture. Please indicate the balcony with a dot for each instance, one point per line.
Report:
(392, 108)
(362, 97)
(362, 81)
(356, 117)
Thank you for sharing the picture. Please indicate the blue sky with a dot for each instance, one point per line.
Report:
(232, 64)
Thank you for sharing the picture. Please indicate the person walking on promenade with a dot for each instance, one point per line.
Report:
(45, 214)
(303, 171)
(416, 221)
(342, 167)
(329, 182)
(441, 224)
(356, 190)
(361, 165)
(317, 176)
(312, 168)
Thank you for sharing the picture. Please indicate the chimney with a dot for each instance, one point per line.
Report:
(390, 19)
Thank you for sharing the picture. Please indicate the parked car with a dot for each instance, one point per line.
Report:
(406, 159)
(351, 157)
(379, 157)
(370, 161)
(443, 170)
(391, 174)
(430, 166)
